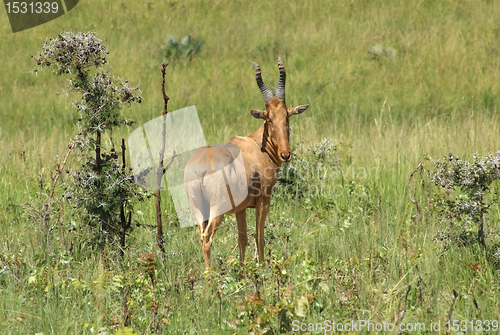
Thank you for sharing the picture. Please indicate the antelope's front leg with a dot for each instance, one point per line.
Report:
(262, 210)
(241, 218)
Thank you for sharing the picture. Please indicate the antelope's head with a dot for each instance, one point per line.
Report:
(276, 115)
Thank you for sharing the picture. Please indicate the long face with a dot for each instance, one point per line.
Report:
(277, 115)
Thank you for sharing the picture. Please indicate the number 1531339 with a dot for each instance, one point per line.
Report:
(473, 325)
(31, 7)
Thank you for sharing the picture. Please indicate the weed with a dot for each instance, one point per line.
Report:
(187, 48)
(102, 188)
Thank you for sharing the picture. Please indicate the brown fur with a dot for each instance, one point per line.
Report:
(263, 153)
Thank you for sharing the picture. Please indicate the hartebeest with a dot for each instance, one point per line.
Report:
(263, 152)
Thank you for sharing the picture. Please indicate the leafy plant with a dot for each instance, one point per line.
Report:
(379, 51)
(187, 48)
(308, 166)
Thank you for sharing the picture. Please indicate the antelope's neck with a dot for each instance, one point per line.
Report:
(266, 144)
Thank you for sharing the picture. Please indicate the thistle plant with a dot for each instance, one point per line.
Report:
(102, 189)
(464, 197)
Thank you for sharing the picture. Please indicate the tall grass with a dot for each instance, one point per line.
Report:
(438, 94)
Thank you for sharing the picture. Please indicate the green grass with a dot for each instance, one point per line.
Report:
(439, 94)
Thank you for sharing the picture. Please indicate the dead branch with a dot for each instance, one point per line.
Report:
(450, 312)
(401, 313)
(165, 97)
(160, 171)
(414, 198)
(170, 163)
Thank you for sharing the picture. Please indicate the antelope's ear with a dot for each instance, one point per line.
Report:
(297, 110)
(257, 114)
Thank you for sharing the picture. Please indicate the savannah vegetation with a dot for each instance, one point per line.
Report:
(372, 220)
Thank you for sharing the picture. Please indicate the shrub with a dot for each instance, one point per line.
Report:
(102, 189)
(463, 195)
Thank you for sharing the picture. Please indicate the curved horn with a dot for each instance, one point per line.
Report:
(280, 88)
(266, 92)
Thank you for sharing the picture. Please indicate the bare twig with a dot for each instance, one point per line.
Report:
(170, 163)
(190, 280)
(61, 223)
(48, 235)
(286, 246)
(60, 169)
(420, 284)
(127, 313)
(165, 97)
(475, 302)
(48, 205)
(70, 249)
(219, 294)
(160, 171)
(125, 225)
(480, 231)
(155, 304)
(123, 154)
(401, 313)
(450, 312)
(194, 304)
(414, 198)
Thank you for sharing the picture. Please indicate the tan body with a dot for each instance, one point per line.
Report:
(263, 152)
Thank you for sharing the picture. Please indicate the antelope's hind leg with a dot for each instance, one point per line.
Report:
(207, 232)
